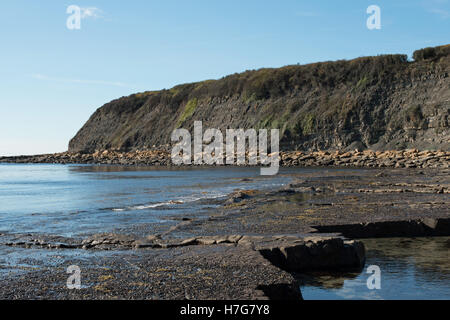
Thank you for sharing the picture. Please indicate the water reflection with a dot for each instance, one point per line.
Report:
(411, 268)
(77, 199)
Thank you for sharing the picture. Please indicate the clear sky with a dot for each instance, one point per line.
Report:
(52, 78)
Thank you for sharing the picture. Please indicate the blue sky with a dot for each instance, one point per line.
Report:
(52, 78)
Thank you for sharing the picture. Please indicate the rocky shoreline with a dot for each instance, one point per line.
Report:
(411, 158)
(253, 245)
(291, 253)
(262, 267)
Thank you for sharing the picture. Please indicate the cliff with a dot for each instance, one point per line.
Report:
(382, 103)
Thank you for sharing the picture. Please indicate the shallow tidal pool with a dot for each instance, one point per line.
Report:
(410, 268)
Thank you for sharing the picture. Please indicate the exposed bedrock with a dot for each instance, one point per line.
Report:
(315, 254)
(290, 253)
(411, 228)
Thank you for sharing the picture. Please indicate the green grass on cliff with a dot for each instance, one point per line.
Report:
(188, 111)
(259, 85)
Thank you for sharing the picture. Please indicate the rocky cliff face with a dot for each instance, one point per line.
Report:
(383, 102)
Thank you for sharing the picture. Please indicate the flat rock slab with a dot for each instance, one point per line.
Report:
(214, 267)
(314, 254)
(222, 271)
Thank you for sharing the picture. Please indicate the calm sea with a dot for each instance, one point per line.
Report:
(78, 199)
(75, 200)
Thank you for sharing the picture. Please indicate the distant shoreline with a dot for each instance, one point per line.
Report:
(410, 158)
